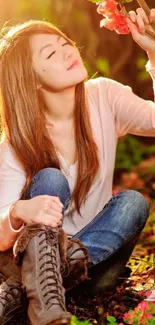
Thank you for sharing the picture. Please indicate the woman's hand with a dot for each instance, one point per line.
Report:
(43, 209)
(138, 23)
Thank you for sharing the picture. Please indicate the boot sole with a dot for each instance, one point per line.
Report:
(60, 321)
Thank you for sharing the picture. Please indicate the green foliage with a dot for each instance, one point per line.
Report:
(141, 62)
(111, 320)
(126, 1)
(142, 73)
(103, 66)
(39, 9)
(129, 152)
(96, 1)
(143, 314)
(75, 321)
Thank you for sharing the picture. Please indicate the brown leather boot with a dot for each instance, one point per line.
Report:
(12, 299)
(41, 275)
(74, 265)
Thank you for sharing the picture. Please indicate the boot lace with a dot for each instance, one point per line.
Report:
(9, 293)
(54, 289)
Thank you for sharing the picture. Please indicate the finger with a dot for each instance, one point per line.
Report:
(54, 213)
(50, 221)
(143, 15)
(53, 205)
(132, 16)
(49, 198)
(50, 204)
(57, 200)
(152, 15)
(133, 29)
(52, 224)
(141, 25)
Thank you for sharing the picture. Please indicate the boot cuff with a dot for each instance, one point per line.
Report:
(21, 243)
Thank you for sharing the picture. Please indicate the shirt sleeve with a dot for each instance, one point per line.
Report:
(151, 71)
(131, 114)
(12, 179)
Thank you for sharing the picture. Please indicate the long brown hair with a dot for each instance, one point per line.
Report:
(22, 111)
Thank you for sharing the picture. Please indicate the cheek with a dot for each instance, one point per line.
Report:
(52, 68)
(52, 78)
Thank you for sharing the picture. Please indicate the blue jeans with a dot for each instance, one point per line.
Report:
(117, 226)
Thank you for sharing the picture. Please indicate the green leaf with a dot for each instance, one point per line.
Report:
(126, 1)
(75, 321)
(95, 1)
(112, 320)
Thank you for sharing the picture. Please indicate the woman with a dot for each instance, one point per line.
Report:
(57, 159)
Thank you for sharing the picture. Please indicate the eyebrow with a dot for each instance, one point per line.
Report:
(48, 45)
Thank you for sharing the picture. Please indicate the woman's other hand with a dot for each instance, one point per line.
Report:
(138, 23)
(43, 209)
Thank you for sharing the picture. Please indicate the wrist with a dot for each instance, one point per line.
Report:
(15, 221)
(151, 57)
(15, 211)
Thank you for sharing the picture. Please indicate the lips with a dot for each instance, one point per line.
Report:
(75, 63)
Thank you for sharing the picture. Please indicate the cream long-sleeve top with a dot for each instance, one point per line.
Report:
(114, 112)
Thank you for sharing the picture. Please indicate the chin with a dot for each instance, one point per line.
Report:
(82, 76)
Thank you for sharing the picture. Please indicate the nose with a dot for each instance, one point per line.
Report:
(68, 53)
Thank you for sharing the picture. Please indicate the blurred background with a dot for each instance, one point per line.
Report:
(105, 53)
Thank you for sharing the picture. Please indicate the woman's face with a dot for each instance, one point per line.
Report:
(57, 63)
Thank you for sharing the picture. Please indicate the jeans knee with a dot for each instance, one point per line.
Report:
(51, 176)
(50, 181)
(139, 206)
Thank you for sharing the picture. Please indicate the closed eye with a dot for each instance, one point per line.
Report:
(67, 43)
(51, 55)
